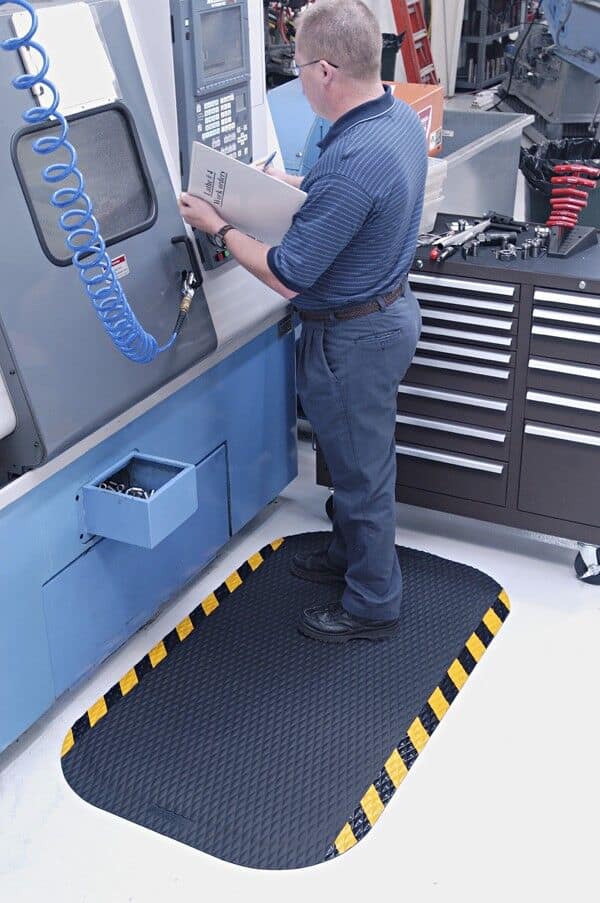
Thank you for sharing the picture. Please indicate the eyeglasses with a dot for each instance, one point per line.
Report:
(297, 67)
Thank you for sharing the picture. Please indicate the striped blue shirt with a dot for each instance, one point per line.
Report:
(355, 235)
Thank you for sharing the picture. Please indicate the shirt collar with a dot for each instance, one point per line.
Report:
(368, 110)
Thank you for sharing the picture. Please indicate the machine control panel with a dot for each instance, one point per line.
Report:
(212, 79)
(222, 123)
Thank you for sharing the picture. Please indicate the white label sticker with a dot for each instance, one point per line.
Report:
(120, 266)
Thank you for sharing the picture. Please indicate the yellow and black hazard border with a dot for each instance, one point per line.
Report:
(168, 644)
(403, 757)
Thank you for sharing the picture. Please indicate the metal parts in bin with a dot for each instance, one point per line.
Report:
(140, 499)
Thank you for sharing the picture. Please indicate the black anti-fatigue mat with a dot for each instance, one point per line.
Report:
(244, 739)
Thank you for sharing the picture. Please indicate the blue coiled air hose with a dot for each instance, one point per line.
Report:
(77, 218)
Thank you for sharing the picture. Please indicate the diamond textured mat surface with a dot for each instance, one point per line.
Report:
(242, 738)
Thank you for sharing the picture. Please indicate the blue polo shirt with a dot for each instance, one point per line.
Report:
(355, 235)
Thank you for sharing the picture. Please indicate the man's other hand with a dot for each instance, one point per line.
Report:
(199, 214)
(271, 171)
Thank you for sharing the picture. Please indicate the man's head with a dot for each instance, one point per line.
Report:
(338, 53)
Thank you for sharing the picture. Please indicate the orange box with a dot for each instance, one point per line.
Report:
(428, 101)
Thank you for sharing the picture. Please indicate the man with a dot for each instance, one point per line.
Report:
(344, 263)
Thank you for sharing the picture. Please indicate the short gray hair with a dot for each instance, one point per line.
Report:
(344, 32)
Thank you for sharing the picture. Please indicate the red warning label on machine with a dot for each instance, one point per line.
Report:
(120, 266)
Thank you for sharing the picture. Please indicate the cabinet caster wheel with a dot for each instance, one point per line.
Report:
(587, 566)
(329, 507)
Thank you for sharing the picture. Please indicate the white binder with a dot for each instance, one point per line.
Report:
(246, 197)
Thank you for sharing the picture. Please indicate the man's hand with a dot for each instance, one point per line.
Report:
(199, 214)
(278, 174)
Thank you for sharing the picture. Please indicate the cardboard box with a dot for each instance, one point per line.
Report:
(428, 101)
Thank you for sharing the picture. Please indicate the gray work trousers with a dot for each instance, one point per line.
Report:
(348, 374)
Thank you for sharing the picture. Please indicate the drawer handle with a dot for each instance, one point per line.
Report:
(491, 288)
(461, 368)
(545, 432)
(469, 336)
(445, 426)
(430, 313)
(454, 460)
(570, 369)
(465, 351)
(542, 313)
(502, 307)
(563, 401)
(559, 298)
(567, 334)
(469, 400)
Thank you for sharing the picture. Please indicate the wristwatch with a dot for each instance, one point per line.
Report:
(220, 235)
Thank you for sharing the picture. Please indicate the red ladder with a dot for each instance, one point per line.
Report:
(416, 49)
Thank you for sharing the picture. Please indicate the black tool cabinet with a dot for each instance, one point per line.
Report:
(498, 417)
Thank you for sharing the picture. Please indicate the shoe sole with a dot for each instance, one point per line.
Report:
(381, 633)
(311, 577)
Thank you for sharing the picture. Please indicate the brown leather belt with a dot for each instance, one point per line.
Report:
(356, 310)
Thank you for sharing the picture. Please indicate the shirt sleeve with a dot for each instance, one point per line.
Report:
(332, 214)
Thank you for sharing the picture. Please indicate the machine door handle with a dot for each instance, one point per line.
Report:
(502, 307)
(462, 334)
(566, 334)
(430, 313)
(491, 288)
(445, 426)
(453, 398)
(566, 298)
(563, 401)
(545, 432)
(465, 351)
(187, 241)
(454, 460)
(461, 368)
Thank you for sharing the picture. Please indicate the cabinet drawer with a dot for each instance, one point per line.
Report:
(564, 379)
(434, 332)
(449, 436)
(565, 341)
(469, 293)
(498, 329)
(460, 406)
(559, 473)
(470, 378)
(462, 476)
(567, 300)
(468, 352)
(580, 413)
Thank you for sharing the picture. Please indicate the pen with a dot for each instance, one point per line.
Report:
(268, 161)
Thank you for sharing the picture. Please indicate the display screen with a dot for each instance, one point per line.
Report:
(222, 50)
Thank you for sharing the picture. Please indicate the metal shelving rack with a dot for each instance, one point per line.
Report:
(482, 69)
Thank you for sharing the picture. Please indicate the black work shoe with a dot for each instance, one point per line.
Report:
(336, 625)
(315, 566)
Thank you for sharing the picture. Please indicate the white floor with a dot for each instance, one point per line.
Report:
(502, 805)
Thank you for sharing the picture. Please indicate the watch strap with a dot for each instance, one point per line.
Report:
(220, 235)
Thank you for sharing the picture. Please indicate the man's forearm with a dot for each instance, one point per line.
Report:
(252, 255)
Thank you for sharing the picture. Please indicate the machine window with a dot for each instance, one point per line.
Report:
(116, 178)
(222, 49)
